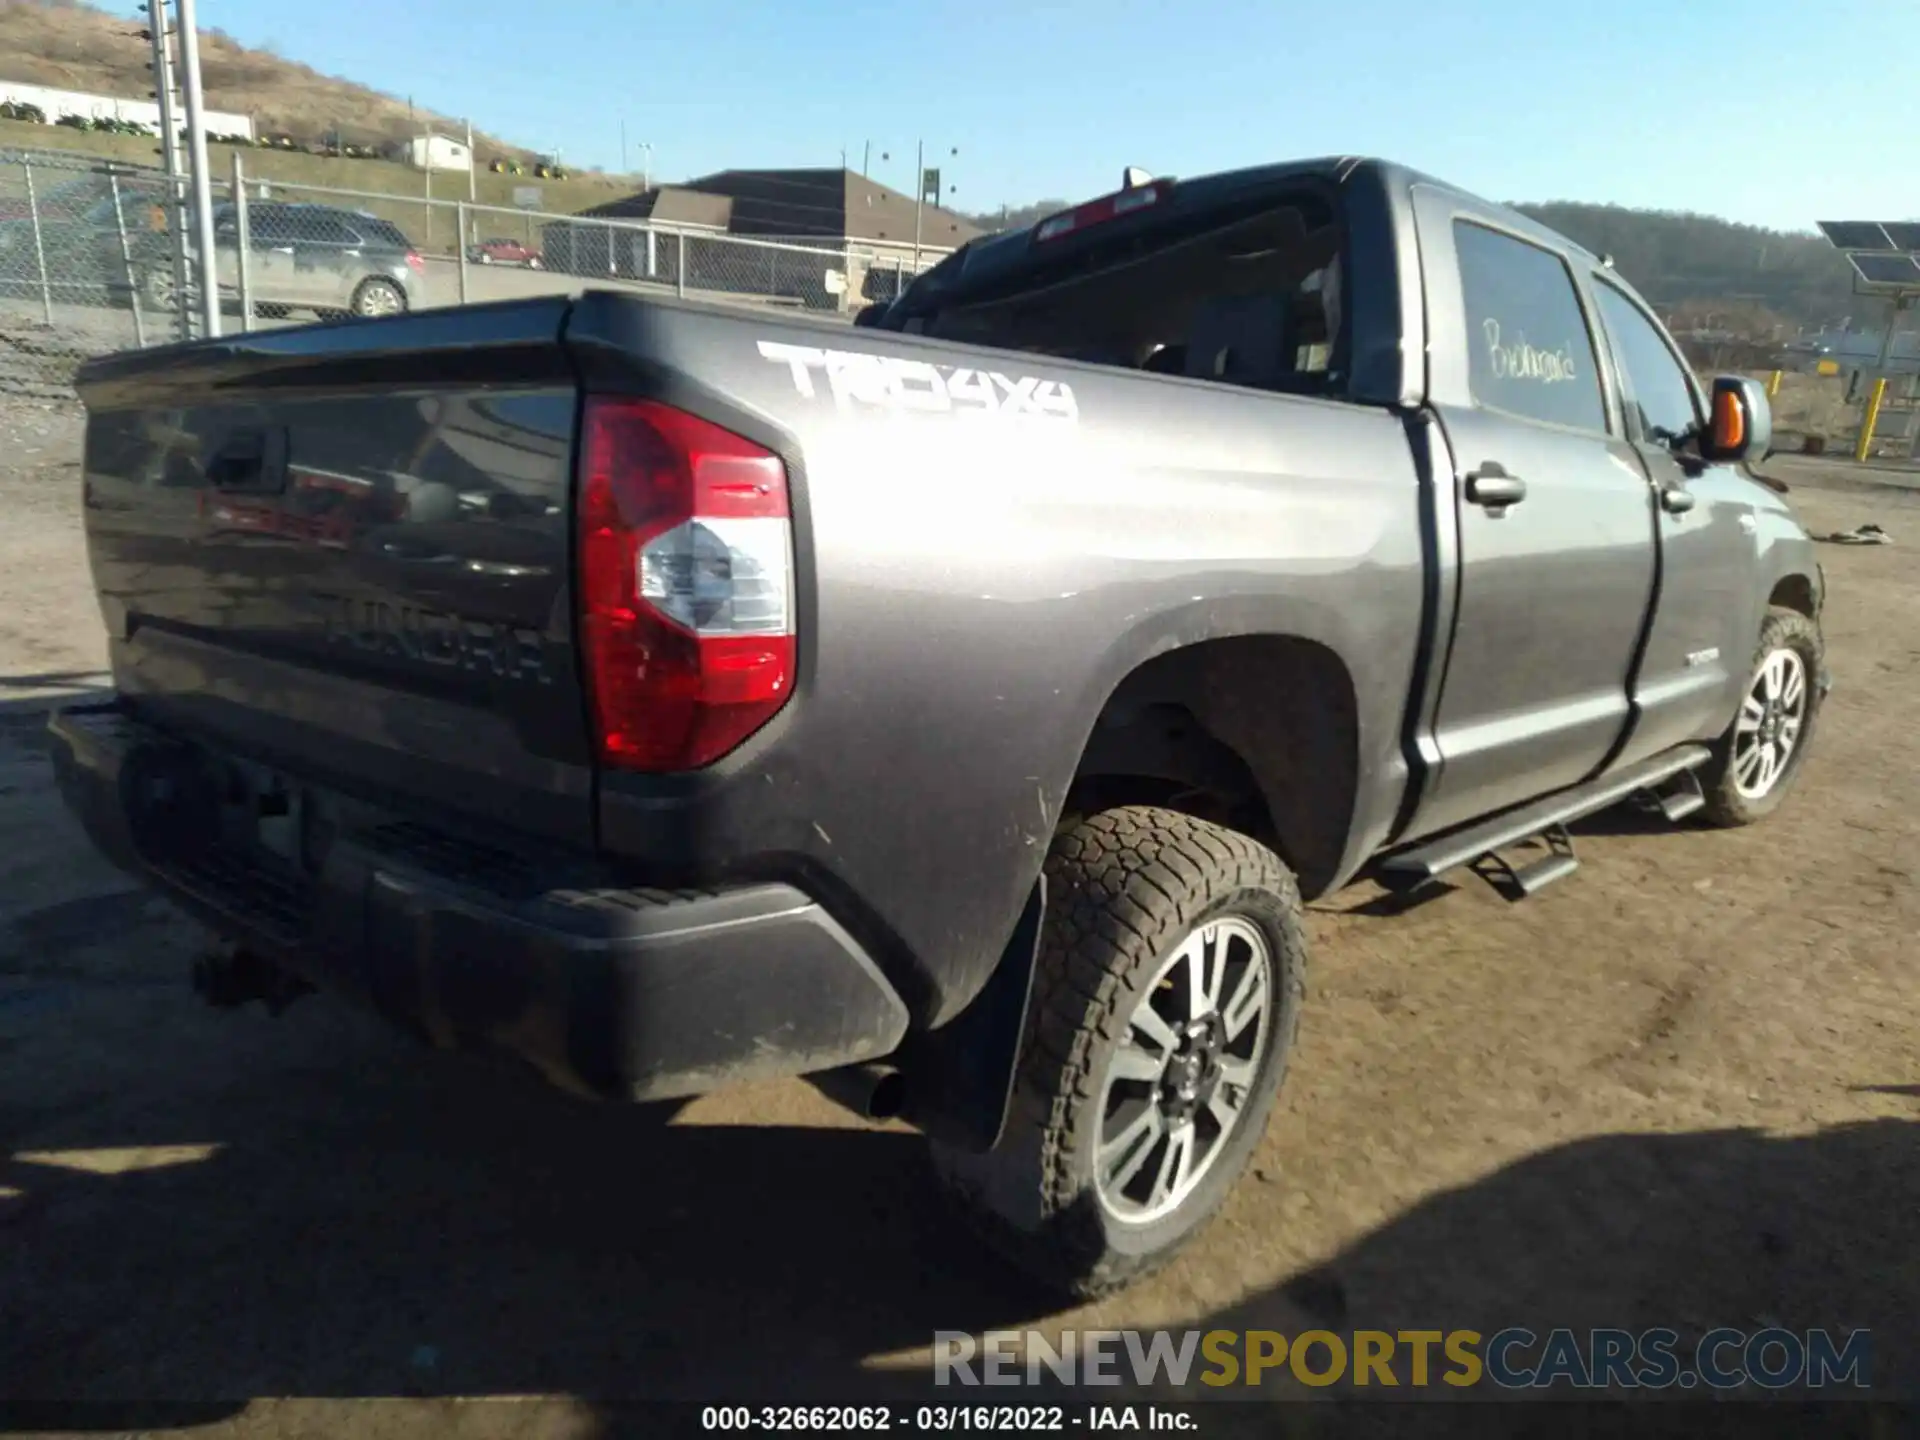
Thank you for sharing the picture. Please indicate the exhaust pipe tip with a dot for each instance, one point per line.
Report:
(873, 1092)
(888, 1098)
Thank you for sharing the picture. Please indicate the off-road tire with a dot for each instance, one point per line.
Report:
(1125, 887)
(1726, 806)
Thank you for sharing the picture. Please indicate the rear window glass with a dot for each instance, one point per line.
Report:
(1253, 300)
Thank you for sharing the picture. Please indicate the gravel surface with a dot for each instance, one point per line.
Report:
(50, 633)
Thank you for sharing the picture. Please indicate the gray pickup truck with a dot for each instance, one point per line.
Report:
(954, 708)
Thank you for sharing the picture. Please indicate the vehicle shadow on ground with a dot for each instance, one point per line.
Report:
(368, 1220)
(23, 698)
(1732, 1228)
(359, 1218)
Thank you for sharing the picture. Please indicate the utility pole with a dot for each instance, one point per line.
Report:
(623, 149)
(197, 157)
(646, 166)
(170, 153)
(920, 194)
(426, 178)
(1896, 304)
(866, 156)
(473, 180)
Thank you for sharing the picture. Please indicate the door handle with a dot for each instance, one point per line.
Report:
(1493, 487)
(1676, 499)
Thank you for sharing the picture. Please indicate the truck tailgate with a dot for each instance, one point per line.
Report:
(346, 549)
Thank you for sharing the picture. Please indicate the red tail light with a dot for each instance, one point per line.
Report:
(686, 585)
(415, 262)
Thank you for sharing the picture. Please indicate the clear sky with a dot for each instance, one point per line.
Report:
(1777, 112)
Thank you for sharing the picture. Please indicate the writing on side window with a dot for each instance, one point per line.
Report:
(1512, 358)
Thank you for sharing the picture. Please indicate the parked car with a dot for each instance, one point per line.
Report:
(323, 259)
(955, 710)
(504, 252)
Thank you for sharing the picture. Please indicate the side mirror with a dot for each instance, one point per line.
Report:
(1740, 426)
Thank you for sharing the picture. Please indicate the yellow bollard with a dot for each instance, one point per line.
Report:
(1773, 384)
(1865, 448)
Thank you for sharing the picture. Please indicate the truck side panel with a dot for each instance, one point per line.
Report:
(977, 575)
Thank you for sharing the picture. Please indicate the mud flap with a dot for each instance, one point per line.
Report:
(960, 1077)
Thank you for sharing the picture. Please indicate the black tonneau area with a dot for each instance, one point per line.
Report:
(345, 549)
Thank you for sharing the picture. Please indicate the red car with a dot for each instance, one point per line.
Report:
(504, 252)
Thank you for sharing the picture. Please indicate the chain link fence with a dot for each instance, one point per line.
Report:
(97, 256)
(84, 246)
(462, 253)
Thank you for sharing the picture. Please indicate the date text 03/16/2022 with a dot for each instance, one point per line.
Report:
(944, 1419)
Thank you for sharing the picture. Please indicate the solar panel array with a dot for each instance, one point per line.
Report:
(1901, 270)
(1884, 254)
(1858, 235)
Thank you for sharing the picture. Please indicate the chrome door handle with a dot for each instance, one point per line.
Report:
(1493, 487)
(1676, 499)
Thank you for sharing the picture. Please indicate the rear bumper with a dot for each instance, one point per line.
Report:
(612, 989)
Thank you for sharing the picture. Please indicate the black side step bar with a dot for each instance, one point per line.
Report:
(1433, 858)
(1684, 799)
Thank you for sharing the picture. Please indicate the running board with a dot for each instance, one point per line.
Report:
(1433, 858)
(1684, 799)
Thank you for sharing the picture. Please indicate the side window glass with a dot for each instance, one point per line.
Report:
(1530, 353)
(328, 230)
(267, 225)
(1657, 388)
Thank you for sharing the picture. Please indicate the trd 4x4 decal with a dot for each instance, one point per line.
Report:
(889, 382)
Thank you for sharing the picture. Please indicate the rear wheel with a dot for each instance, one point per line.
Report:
(378, 297)
(1164, 1011)
(155, 290)
(1756, 762)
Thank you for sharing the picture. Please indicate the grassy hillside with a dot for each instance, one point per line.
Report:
(1692, 262)
(378, 177)
(75, 46)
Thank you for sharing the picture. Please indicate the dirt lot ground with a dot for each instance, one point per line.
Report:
(1681, 1088)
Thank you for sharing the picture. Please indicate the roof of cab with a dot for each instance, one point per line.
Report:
(994, 255)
